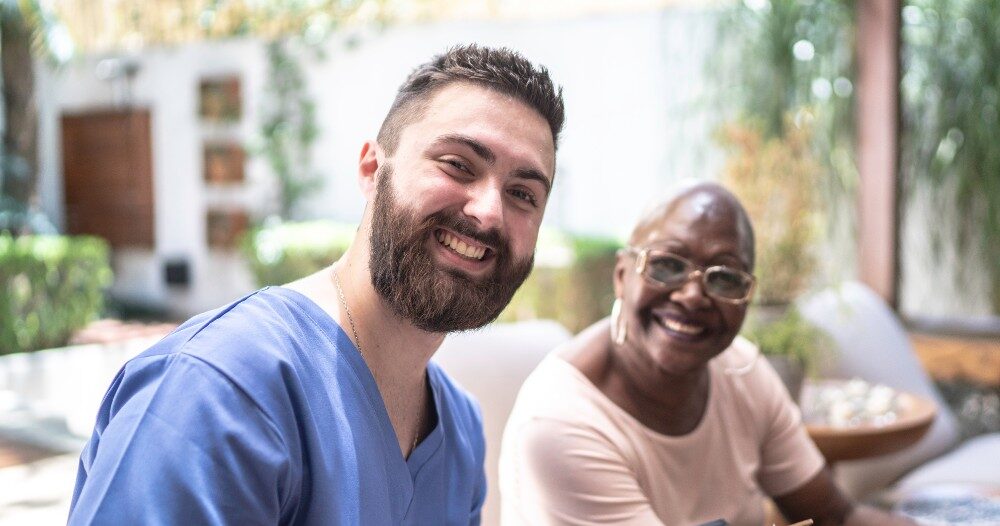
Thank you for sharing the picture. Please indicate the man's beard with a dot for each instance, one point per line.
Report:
(406, 276)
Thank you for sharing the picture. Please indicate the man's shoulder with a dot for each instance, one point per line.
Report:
(258, 328)
(257, 344)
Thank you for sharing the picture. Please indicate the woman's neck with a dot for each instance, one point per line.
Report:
(668, 404)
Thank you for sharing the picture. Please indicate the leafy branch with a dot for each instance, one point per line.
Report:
(289, 127)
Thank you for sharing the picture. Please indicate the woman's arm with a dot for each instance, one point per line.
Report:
(821, 500)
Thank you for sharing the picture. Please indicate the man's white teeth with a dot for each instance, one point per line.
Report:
(460, 246)
(683, 328)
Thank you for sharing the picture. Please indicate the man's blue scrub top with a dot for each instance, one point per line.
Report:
(264, 412)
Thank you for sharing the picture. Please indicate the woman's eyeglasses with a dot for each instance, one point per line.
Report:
(668, 270)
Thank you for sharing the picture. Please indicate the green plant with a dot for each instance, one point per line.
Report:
(790, 55)
(950, 101)
(776, 180)
(168, 22)
(787, 334)
(285, 252)
(49, 287)
(786, 70)
(785, 65)
(571, 282)
(289, 128)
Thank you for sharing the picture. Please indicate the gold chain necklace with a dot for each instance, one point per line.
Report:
(357, 342)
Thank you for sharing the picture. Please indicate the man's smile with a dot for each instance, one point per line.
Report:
(462, 245)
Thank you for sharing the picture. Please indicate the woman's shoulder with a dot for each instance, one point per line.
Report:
(558, 410)
(743, 365)
(557, 390)
(748, 386)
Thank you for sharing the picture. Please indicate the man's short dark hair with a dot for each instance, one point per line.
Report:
(499, 69)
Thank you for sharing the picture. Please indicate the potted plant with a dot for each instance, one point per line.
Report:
(776, 179)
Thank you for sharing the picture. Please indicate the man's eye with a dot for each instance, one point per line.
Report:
(458, 164)
(524, 195)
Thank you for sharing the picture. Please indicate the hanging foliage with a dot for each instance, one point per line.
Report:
(784, 67)
(950, 95)
(289, 128)
(103, 25)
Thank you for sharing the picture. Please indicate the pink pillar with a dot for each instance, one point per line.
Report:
(877, 109)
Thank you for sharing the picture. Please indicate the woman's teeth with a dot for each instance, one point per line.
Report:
(683, 328)
(460, 246)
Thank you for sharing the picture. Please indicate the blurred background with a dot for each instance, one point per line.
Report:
(162, 158)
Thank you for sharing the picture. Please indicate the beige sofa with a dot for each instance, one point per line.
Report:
(491, 363)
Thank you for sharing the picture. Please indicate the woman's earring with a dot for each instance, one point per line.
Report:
(618, 326)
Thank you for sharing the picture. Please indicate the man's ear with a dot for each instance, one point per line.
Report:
(368, 163)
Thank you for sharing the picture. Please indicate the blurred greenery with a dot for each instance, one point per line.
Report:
(286, 251)
(776, 179)
(950, 100)
(99, 26)
(784, 332)
(51, 286)
(289, 128)
(49, 37)
(571, 282)
(792, 55)
(786, 67)
(786, 70)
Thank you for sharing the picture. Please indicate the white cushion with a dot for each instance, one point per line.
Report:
(976, 461)
(872, 344)
(491, 364)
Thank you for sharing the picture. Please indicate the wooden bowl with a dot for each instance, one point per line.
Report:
(916, 414)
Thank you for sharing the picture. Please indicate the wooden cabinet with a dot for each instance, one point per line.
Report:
(108, 175)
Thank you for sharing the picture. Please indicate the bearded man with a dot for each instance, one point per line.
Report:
(315, 402)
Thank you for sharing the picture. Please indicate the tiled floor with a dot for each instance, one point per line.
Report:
(38, 493)
(13, 453)
(108, 331)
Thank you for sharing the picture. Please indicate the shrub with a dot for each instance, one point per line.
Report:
(777, 181)
(51, 286)
(288, 251)
(571, 282)
(782, 331)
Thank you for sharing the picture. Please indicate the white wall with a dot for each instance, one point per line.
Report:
(167, 84)
(634, 90)
(630, 83)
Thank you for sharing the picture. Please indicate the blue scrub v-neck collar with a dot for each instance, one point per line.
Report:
(404, 471)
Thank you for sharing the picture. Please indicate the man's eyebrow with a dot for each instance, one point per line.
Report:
(528, 173)
(481, 149)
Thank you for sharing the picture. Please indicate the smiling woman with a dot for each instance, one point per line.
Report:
(617, 425)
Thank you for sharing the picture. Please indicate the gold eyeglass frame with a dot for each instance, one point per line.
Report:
(642, 256)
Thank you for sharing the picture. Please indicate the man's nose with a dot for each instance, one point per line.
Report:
(485, 205)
